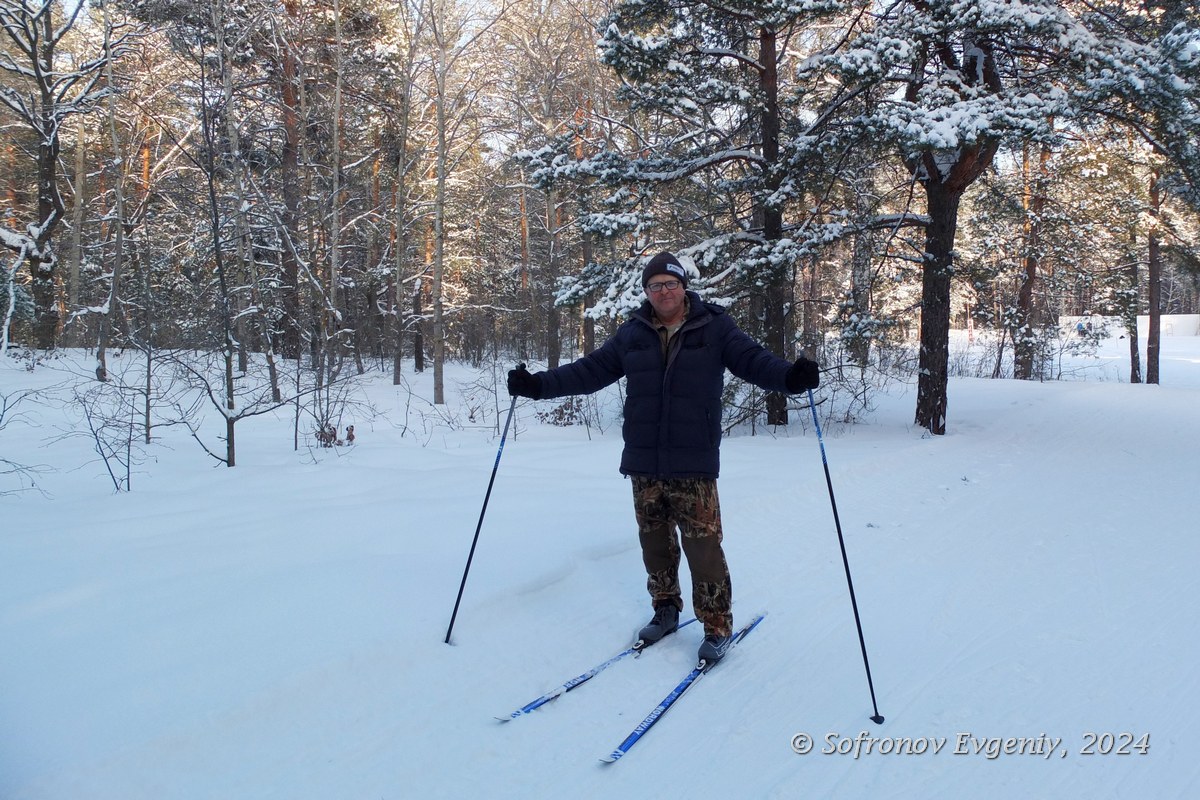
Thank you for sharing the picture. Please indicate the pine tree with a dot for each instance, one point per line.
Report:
(975, 73)
(715, 83)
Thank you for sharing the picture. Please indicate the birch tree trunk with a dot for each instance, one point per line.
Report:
(441, 159)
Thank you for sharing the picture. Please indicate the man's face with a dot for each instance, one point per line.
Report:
(667, 303)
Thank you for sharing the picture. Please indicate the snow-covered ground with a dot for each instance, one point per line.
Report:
(276, 630)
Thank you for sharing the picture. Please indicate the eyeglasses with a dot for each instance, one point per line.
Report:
(658, 286)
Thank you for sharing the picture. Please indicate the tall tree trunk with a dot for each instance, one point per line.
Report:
(1131, 322)
(141, 268)
(418, 328)
(863, 249)
(587, 341)
(42, 268)
(944, 182)
(418, 308)
(374, 323)
(79, 191)
(553, 315)
(775, 320)
(335, 221)
(8, 271)
(400, 226)
(589, 325)
(442, 165)
(223, 299)
(525, 324)
(933, 362)
(320, 305)
(1154, 276)
(290, 189)
(1024, 338)
(218, 17)
(119, 165)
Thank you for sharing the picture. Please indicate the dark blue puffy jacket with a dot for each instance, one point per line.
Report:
(672, 426)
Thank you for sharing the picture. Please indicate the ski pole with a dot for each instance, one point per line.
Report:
(482, 511)
(877, 718)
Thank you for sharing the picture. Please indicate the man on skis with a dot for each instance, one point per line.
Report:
(673, 352)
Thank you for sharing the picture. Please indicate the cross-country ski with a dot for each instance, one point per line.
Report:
(702, 668)
(574, 683)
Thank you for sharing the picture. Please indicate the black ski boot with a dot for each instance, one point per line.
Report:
(714, 648)
(666, 620)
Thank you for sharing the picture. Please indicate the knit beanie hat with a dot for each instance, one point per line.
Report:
(664, 264)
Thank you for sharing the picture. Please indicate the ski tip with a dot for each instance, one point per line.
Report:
(509, 718)
(612, 757)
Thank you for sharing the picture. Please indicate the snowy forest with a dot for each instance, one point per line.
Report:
(309, 240)
(263, 199)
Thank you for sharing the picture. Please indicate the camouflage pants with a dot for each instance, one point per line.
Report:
(692, 506)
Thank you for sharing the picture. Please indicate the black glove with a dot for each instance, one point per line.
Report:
(522, 384)
(802, 376)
